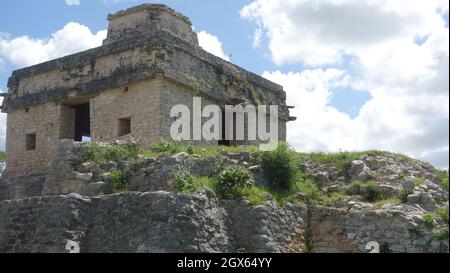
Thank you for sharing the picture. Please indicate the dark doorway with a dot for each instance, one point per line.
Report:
(223, 132)
(82, 121)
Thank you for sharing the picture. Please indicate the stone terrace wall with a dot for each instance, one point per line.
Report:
(166, 222)
(147, 222)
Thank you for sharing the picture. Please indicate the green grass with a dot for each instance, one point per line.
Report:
(419, 182)
(440, 235)
(342, 160)
(257, 195)
(403, 195)
(443, 178)
(203, 151)
(442, 213)
(373, 192)
(335, 196)
(428, 220)
(118, 181)
(95, 153)
(355, 187)
(298, 182)
(302, 184)
(199, 184)
(392, 200)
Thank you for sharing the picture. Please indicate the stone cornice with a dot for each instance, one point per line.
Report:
(158, 40)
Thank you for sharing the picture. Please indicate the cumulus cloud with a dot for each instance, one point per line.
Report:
(211, 44)
(398, 52)
(25, 51)
(320, 32)
(73, 2)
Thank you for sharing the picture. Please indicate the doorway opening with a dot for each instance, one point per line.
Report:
(82, 122)
(224, 132)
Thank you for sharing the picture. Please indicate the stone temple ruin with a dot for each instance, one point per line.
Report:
(150, 61)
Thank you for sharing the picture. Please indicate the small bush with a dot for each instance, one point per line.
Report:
(118, 152)
(166, 147)
(443, 178)
(441, 235)
(416, 231)
(183, 180)
(393, 201)
(118, 181)
(355, 187)
(428, 220)
(373, 192)
(256, 195)
(385, 248)
(233, 180)
(280, 166)
(113, 152)
(92, 152)
(403, 195)
(443, 214)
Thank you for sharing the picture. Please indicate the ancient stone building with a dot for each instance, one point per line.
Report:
(149, 62)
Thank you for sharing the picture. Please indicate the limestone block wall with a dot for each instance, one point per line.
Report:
(139, 102)
(144, 18)
(43, 121)
(173, 94)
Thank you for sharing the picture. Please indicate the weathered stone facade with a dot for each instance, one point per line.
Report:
(149, 62)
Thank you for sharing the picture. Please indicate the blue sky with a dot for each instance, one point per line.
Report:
(39, 19)
(351, 67)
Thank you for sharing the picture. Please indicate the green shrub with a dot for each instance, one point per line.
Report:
(428, 220)
(166, 147)
(443, 213)
(280, 166)
(385, 248)
(441, 235)
(443, 178)
(92, 152)
(112, 152)
(118, 181)
(183, 180)
(2, 155)
(416, 231)
(119, 152)
(419, 182)
(355, 187)
(403, 195)
(373, 192)
(256, 195)
(233, 180)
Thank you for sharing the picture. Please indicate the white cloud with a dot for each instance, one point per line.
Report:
(211, 44)
(73, 2)
(408, 81)
(25, 51)
(320, 32)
